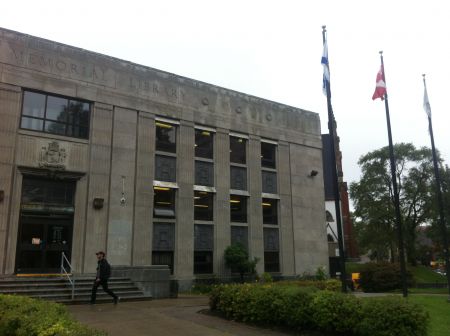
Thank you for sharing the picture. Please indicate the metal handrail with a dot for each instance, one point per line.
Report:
(68, 274)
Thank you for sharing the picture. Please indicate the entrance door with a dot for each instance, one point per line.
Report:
(46, 225)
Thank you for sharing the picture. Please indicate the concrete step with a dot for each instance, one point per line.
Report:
(85, 296)
(65, 284)
(66, 289)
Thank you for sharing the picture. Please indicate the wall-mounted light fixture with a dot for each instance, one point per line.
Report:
(98, 203)
(313, 173)
(2, 195)
(122, 199)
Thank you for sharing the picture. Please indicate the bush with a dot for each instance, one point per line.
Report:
(306, 308)
(330, 285)
(392, 316)
(335, 312)
(23, 316)
(382, 277)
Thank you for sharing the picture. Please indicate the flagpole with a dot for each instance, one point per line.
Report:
(337, 198)
(394, 186)
(439, 192)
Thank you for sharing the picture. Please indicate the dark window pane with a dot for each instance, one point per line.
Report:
(40, 191)
(239, 235)
(165, 137)
(164, 202)
(203, 237)
(163, 258)
(271, 262)
(237, 150)
(163, 236)
(269, 182)
(33, 104)
(78, 113)
(268, 155)
(31, 123)
(270, 211)
(55, 127)
(165, 168)
(238, 208)
(203, 262)
(271, 240)
(203, 205)
(204, 144)
(204, 173)
(238, 178)
(57, 109)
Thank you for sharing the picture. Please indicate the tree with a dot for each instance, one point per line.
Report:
(237, 259)
(373, 199)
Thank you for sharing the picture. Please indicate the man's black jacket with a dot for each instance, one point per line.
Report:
(103, 270)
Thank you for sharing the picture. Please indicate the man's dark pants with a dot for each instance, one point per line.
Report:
(104, 284)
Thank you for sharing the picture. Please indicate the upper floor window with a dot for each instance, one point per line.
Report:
(56, 115)
(268, 155)
(204, 144)
(237, 150)
(166, 137)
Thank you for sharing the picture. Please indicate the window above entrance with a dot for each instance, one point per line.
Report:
(56, 115)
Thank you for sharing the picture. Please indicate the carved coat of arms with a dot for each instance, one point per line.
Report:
(52, 156)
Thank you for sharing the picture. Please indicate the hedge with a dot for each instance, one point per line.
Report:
(382, 277)
(307, 308)
(24, 316)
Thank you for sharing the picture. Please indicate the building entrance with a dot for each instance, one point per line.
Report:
(46, 225)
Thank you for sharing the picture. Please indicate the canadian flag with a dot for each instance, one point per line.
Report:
(380, 89)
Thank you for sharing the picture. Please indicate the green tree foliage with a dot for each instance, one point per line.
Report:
(373, 199)
(237, 259)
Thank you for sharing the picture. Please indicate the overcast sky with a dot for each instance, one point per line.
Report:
(272, 49)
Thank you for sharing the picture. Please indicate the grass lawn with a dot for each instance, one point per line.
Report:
(439, 310)
(426, 274)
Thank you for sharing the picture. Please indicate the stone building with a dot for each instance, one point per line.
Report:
(99, 153)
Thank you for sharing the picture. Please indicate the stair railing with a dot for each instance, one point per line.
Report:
(68, 274)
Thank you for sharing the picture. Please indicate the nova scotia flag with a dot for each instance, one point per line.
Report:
(326, 69)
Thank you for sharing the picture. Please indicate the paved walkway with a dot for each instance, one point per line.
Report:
(174, 317)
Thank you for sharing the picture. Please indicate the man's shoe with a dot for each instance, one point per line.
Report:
(116, 300)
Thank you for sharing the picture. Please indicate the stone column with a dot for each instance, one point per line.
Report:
(79, 224)
(184, 227)
(99, 177)
(143, 225)
(310, 236)
(285, 208)
(222, 229)
(255, 218)
(123, 165)
(10, 110)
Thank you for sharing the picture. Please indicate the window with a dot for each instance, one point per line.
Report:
(163, 244)
(165, 168)
(271, 250)
(269, 182)
(164, 202)
(204, 173)
(238, 208)
(204, 144)
(268, 155)
(203, 206)
(55, 115)
(203, 249)
(239, 234)
(166, 137)
(270, 211)
(237, 150)
(238, 178)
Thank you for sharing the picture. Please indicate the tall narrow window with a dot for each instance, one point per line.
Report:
(164, 202)
(163, 244)
(203, 206)
(204, 144)
(238, 152)
(166, 137)
(270, 211)
(203, 248)
(238, 208)
(268, 155)
(271, 250)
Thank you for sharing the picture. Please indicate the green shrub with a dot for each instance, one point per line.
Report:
(392, 316)
(382, 277)
(307, 308)
(330, 284)
(335, 312)
(266, 277)
(23, 316)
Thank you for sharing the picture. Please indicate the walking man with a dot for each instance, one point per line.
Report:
(103, 274)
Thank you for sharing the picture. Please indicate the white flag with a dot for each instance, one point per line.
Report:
(426, 102)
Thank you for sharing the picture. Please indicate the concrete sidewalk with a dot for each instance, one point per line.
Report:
(174, 317)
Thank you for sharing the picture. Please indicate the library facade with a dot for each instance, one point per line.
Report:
(153, 168)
